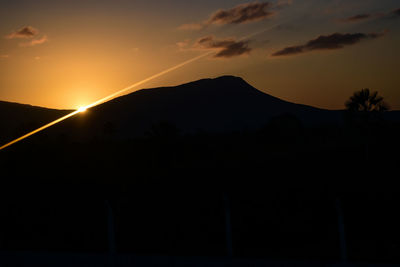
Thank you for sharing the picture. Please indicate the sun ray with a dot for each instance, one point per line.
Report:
(104, 99)
(82, 109)
(126, 89)
(40, 129)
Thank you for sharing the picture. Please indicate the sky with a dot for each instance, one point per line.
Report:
(70, 53)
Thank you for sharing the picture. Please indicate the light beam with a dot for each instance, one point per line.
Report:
(104, 99)
(82, 109)
(40, 129)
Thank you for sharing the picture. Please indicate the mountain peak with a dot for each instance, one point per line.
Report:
(226, 85)
(224, 80)
(229, 78)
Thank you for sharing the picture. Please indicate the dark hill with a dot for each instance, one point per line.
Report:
(18, 119)
(224, 104)
(283, 187)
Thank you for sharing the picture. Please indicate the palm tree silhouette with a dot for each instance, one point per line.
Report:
(363, 107)
(366, 101)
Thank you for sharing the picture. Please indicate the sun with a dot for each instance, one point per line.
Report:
(82, 109)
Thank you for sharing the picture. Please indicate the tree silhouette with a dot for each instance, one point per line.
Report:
(364, 107)
(366, 101)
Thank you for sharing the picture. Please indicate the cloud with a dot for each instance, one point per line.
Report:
(393, 14)
(4, 56)
(227, 47)
(243, 13)
(327, 42)
(25, 32)
(28, 32)
(358, 18)
(35, 42)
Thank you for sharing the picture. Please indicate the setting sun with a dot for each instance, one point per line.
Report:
(108, 107)
(82, 109)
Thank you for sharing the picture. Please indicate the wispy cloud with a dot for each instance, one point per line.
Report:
(34, 42)
(227, 48)
(327, 42)
(366, 16)
(4, 56)
(357, 18)
(243, 13)
(28, 32)
(25, 32)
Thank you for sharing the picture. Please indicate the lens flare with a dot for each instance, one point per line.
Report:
(39, 129)
(82, 109)
(104, 99)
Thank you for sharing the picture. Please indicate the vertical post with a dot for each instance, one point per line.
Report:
(342, 237)
(228, 226)
(110, 234)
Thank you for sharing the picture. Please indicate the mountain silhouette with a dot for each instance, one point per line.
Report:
(17, 119)
(171, 194)
(219, 105)
(223, 104)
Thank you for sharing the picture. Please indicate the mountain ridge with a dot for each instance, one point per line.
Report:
(223, 104)
(17, 119)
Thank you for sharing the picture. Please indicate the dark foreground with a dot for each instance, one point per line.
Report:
(97, 260)
(280, 194)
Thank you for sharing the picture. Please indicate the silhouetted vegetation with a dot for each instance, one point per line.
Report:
(365, 106)
(364, 109)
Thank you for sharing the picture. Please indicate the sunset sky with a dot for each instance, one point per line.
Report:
(70, 53)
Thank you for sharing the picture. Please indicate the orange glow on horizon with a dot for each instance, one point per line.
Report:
(104, 99)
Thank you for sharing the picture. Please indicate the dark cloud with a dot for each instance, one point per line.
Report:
(327, 42)
(357, 18)
(243, 13)
(227, 48)
(25, 32)
(393, 14)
